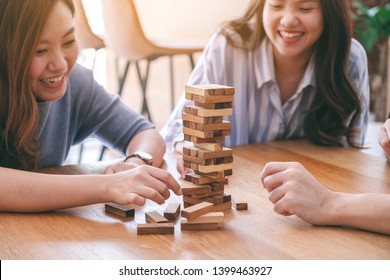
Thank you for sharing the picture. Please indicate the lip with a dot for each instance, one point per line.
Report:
(54, 81)
(289, 36)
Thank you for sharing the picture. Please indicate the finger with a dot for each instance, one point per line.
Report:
(273, 181)
(276, 195)
(167, 178)
(279, 208)
(133, 198)
(271, 168)
(180, 167)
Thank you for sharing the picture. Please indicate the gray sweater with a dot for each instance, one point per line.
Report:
(85, 110)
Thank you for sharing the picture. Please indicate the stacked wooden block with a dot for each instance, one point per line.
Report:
(203, 125)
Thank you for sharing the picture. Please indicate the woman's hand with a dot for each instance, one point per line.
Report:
(136, 185)
(294, 191)
(384, 137)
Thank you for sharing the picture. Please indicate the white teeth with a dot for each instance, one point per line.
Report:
(290, 34)
(54, 80)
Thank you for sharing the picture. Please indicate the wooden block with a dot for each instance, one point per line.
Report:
(210, 105)
(188, 226)
(212, 217)
(191, 189)
(209, 89)
(119, 210)
(195, 139)
(213, 175)
(192, 200)
(172, 211)
(222, 207)
(201, 180)
(206, 154)
(155, 217)
(202, 112)
(209, 161)
(201, 120)
(197, 210)
(209, 146)
(225, 125)
(217, 199)
(240, 205)
(208, 99)
(214, 168)
(155, 228)
(206, 134)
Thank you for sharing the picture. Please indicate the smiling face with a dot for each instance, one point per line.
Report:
(293, 26)
(54, 56)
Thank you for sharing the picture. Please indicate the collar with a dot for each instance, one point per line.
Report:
(265, 70)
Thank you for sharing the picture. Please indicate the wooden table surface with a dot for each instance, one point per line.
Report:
(258, 233)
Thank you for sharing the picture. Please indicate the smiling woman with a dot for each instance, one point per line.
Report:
(49, 103)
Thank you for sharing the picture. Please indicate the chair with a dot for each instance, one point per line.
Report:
(86, 40)
(84, 34)
(125, 37)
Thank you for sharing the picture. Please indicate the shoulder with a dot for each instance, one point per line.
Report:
(80, 75)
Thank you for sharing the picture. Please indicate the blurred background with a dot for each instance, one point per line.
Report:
(169, 32)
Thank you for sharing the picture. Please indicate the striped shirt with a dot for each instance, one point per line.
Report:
(258, 113)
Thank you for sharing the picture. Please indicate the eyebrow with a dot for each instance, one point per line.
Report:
(70, 31)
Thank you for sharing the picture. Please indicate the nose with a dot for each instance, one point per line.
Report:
(289, 19)
(58, 62)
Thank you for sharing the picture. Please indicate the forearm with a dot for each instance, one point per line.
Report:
(22, 191)
(365, 211)
(149, 141)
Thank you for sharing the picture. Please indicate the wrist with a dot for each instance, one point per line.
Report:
(140, 157)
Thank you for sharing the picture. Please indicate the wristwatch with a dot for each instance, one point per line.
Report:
(144, 156)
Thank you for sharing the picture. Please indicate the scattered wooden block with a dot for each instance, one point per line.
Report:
(207, 226)
(212, 217)
(240, 205)
(222, 207)
(197, 210)
(172, 211)
(119, 210)
(155, 217)
(155, 228)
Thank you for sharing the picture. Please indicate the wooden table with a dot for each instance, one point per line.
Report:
(259, 233)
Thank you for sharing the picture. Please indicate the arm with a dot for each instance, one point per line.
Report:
(22, 191)
(294, 191)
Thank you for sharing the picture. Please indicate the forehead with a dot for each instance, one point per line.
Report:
(60, 20)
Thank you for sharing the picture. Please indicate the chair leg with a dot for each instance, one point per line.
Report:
(122, 79)
(143, 81)
(191, 60)
(172, 83)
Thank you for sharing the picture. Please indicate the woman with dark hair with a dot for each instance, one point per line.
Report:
(48, 103)
(297, 73)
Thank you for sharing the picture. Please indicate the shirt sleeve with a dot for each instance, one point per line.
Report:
(103, 115)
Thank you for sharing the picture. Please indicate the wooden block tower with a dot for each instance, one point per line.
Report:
(203, 125)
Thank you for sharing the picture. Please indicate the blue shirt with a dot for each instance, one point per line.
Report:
(258, 113)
